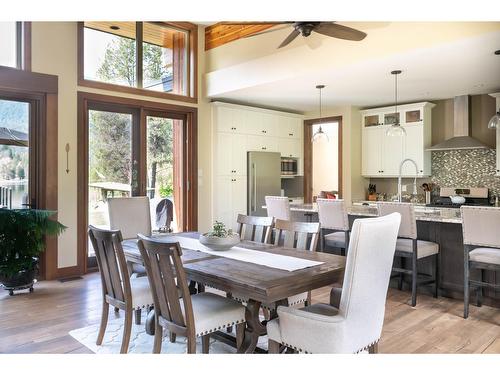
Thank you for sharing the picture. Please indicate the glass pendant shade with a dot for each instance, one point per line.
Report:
(395, 130)
(494, 122)
(320, 136)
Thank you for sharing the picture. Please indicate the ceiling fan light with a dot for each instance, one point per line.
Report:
(395, 130)
(494, 122)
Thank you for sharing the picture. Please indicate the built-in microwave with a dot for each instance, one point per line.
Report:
(289, 167)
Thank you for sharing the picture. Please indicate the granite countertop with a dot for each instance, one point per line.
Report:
(422, 213)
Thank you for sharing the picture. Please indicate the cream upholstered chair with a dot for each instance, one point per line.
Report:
(278, 207)
(297, 235)
(481, 230)
(191, 316)
(118, 289)
(409, 247)
(332, 215)
(356, 322)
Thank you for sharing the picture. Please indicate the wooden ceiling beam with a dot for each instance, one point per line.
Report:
(220, 33)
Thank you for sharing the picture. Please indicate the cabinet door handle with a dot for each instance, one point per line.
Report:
(290, 134)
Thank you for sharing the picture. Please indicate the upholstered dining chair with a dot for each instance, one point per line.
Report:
(191, 316)
(481, 231)
(332, 215)
(297, 235)
(278, 207)
(131, 215)
(409, 247)
(355, 323)
(118, 289)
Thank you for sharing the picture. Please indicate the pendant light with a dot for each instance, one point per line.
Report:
(320, 135)
(396, 130)
(494, 122)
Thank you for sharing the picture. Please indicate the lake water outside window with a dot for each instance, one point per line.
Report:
(14, 153)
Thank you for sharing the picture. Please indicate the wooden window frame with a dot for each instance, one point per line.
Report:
(140, 108)
(40, 90)
(308, 154)
(23, 46)
(191, 67)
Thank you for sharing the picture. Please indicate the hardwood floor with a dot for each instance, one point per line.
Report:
(40, 322)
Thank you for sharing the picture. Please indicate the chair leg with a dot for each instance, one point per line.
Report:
(158, 338)
(273, 347)
(401, 275)
(436, 276)
(191, 345)
(127, 330)
(414, 277)
(466, 283)
(172, 336)
(479, 291)
(205, 344)
(104, 322)
(309, 299)
(240, 334)
(230, 296)
(137, 314)
(373, 349)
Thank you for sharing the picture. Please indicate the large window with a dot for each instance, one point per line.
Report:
(155, 58)
(15, 44)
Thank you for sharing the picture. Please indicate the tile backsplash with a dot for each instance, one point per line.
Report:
(466, 168)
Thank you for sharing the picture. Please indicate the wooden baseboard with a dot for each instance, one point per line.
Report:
(66, 272)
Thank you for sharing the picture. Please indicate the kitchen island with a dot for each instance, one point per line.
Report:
(440, 225)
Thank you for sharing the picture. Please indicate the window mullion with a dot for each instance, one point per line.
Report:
(138, 49)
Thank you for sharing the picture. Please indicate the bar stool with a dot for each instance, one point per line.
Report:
(481, 230)
(409, 247)
(278, 207)
(332, 215)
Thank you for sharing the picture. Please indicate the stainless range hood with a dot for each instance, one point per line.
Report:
(461, 139)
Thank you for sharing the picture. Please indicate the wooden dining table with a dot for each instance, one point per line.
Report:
(258, 284)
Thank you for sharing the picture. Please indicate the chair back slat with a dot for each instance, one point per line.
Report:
(255, 228)
(481, 226)
(408, 226)
(111, 262)
(332, 214)
(168, 280)
(296, 234)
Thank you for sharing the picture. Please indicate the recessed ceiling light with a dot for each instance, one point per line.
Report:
(113, 27)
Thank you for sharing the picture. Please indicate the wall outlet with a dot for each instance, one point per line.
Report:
(403, 188)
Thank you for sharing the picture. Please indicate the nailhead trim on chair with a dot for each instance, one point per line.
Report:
(219, 328)
(141, 307)
(306, 352)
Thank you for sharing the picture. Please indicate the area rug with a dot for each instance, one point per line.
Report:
(141, 342)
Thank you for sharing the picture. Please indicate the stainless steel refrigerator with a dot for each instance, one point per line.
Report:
(264, 178)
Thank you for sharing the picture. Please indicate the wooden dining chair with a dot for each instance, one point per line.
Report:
(297, 235)
(118, 289)
(255, 228)
(176, 309)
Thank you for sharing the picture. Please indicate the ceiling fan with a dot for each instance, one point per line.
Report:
(305, 29)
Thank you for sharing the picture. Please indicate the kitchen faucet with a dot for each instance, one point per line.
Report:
(401, 172)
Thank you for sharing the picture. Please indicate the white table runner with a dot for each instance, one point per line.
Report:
(283, 262)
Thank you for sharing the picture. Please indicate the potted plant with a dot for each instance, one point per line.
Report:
(220, 238)
(372, 192)
(22, 235)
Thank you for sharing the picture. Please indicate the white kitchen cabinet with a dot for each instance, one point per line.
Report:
(234, 191)
(382, 154)
(229, 159)
(230, 120)
(262, 143)
(290, 127)
(290, 147)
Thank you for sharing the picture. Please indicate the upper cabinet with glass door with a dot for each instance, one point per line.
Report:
(383, 158)
(146, 58)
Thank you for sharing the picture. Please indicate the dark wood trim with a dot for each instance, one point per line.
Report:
(141, 108)
(308, 155)
(191, 74)
(138, 49)
(27, 46)
(21, 80)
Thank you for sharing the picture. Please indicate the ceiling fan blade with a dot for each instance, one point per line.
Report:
(253, 22)
(294, 34)
(338, 31)
(268, 31)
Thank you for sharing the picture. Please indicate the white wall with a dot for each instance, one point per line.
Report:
(54, 51)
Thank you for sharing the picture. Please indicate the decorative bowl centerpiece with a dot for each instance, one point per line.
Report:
(220, 238)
